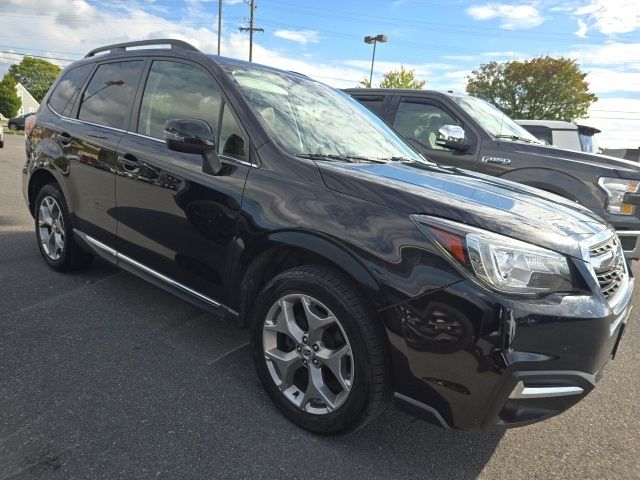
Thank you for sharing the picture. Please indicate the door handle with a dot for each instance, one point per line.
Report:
(65, 139)
(129, 163)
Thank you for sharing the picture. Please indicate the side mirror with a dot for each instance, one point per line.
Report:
(189, 135)
(453, 138)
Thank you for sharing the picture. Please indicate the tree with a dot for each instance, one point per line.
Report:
(9, 100)
(36, 75)
(401, 78)
(542, 88)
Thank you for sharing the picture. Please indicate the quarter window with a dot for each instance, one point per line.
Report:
(177, 90)
(421, 122)
(106, 101)
(67, 90)
(232, 140)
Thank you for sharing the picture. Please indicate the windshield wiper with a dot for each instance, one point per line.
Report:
(343, 158)
(516, 137)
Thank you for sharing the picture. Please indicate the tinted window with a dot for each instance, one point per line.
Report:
(232, 140)
(67, 90)
(540, 132)
(372, 103)
(108, 96)
(421, 122)
(177, 90)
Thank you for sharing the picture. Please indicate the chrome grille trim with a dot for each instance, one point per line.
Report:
(609, 267)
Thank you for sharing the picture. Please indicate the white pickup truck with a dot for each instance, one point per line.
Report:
(565, 135)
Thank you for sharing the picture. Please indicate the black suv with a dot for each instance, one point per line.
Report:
(467, 132)
(364, 272)
(17, 123)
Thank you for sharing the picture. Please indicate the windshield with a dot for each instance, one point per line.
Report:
(495, 122)
(306, 117)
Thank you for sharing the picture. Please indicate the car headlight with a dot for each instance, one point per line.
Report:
(500, 263)
(616, 189)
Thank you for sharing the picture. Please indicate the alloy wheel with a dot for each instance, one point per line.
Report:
(51, 228)
(308, 354)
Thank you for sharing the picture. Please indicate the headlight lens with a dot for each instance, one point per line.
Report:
(501, 263)
(616, 188)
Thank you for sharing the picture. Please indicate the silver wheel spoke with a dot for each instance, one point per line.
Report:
(318, 390)
(333, 360)
(317, 323)
(45, 216)
(51, 227)
(286, 324)
(287, 363)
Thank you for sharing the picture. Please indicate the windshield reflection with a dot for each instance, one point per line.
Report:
(495, 122)
(307, 118)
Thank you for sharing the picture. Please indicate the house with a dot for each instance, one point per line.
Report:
(29, 104)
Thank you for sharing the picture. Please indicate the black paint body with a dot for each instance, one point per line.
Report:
(571, 174)
(223, 236)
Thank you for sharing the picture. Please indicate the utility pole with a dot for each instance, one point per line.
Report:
(251, 28)
(219, 23)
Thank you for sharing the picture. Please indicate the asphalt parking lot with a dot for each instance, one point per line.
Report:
(105, 376)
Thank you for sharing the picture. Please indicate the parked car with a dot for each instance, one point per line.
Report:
(17, 123)
(466, 132)
(1, 137)
(565, 135)
(364, 272)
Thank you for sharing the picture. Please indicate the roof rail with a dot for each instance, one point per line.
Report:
(122, 47)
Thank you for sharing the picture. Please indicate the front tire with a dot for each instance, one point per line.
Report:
(54, 231)
(12, 126)
(319, 352)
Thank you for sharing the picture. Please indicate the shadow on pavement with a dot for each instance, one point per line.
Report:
(106, 376)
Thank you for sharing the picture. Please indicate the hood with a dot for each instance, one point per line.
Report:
(623, 168)
(489, 203)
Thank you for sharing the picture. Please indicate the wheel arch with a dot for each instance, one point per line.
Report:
(280, 251)
(39, 178)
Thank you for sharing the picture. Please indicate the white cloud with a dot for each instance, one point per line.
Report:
(610, 16)
(512, 17)
(300, 36)
(582, 28)
(618, 119)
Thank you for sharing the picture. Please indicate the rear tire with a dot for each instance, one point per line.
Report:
(324, 362)
(12, 126)
(54, 231)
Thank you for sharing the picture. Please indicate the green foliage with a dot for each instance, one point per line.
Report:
(9, 100)
(402, 78)
(36, 75)
(542, 88)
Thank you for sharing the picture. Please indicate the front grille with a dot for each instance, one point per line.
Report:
(608, 263)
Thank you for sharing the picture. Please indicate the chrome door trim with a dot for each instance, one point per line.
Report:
(150, 271)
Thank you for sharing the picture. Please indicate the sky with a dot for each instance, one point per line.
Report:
(442, 40)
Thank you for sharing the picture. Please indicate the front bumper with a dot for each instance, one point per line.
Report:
(502, 363)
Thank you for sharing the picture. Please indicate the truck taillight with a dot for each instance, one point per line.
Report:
(29, 123)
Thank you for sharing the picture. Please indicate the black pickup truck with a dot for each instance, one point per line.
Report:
(469, 133)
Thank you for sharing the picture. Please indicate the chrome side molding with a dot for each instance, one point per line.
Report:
(522, 392)
(149, 271)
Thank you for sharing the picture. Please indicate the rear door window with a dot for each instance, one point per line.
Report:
(64, 95)
(374, 103)
(107, 98)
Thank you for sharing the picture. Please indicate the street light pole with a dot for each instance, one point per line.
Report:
(219, 23)
(369, 40)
